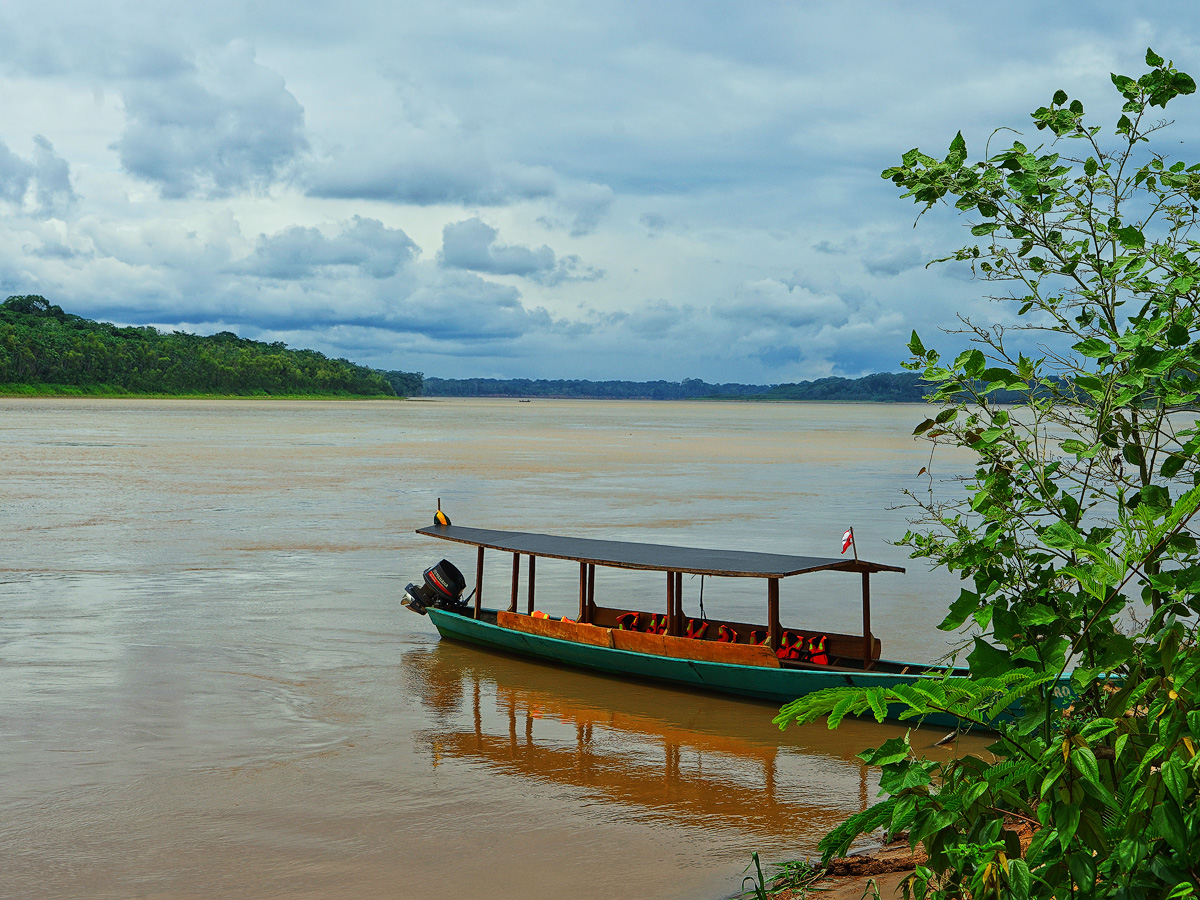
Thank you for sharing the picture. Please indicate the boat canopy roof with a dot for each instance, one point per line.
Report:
(656, 557)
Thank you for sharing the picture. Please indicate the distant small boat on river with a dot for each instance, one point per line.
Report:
(768, 661)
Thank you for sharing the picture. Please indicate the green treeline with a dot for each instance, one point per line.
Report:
(688, 389)
(885, 387)
(882, 387)
(405, 384)
(42, 347)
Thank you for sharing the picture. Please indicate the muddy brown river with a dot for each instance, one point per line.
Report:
(208, 687)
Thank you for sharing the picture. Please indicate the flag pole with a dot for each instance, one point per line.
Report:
(854, 543)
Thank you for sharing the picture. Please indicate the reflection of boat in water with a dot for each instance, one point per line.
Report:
(744, 659)
(692, 760)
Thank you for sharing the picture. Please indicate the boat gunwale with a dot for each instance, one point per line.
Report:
(840, 673)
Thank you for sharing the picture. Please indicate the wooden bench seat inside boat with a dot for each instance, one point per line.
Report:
(640, 642)
(845, 650)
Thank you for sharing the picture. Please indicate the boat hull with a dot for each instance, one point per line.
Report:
(769, 685)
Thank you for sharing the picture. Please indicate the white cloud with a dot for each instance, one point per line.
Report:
(365, 245)
(226, 126)
(471, 245)
(48, 175)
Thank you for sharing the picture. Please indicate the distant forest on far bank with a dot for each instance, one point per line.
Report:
(884, 387)
(46, 350)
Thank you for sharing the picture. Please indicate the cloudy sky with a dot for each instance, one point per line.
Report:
(595, 190)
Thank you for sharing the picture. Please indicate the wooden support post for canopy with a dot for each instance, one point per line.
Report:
(532, 561)
(512, 603)
(774, 632)
(672, 624)
(582, 617)
(679, 601)
(591, 593)
(868, 641)
(479, 583)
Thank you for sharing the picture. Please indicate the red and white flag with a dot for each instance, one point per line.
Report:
(847, 539)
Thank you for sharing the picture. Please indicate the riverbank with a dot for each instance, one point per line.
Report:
(101, 392)
(877, 873)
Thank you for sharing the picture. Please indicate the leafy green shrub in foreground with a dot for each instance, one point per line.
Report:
(1077, 534)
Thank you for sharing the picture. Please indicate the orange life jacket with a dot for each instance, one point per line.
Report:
(658, 624)
(538, 614)
(790, 645)
(696, 628)
(726, 635)
(816, 651)
(758, 638)
(627, 622)
(569, 621)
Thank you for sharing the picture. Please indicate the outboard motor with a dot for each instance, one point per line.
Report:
(443, 588)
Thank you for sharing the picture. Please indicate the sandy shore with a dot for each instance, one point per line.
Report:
(862, 875)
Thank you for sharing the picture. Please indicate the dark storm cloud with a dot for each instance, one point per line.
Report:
(15, 174)
(471, 245)
(425, 173)
(365, 244)
(464, 307)
(53, 178)
(47, 173)
(894, 262)
(441, 308)
(228, 127)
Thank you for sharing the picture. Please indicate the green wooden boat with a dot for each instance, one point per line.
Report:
(760, 661)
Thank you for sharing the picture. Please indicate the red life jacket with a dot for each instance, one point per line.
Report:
(790, 645)
(627, 622)
(696, 629)
(538, 614)
(569, 621)
(816, 651)
(758, 638)
(658, 624)
(726, 635)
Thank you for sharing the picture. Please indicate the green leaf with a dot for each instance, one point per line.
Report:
(1171, 466)
(966, 603)
(844, 706)
(1131, 238)
(1019, 879)
(891, 751)
(984, 228)
(1175, 779)
(958, 146)
(986, 660)
(1037, 614)
(1061, 536)
(915, 347)
(1084, 761)
(1093, 348)
(1170, 825)
(1153, 59)
(878, 702)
